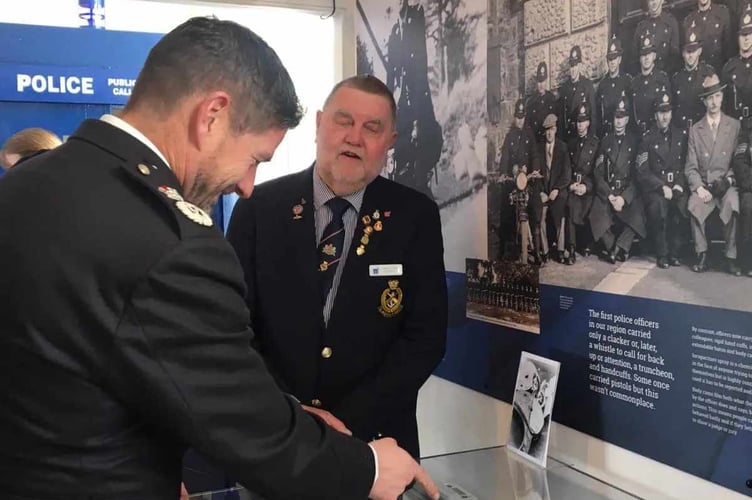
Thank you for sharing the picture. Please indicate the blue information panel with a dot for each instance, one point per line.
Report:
(667, 380)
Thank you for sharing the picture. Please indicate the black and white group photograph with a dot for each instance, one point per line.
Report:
(504, 293)
(532, 406)
(619, 146)
(432, 55)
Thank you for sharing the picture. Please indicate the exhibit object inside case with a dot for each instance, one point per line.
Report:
(488, 474)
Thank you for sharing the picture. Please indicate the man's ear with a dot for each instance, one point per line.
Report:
(210, 118)
(393, 139)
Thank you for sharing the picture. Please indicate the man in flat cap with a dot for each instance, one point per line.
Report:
(517, 155)
(711, 23)
(614, 85)
(542, 103)
(647, 85)
(660, 175)
(617, 212)
(686, 83)
(709, 175)
(552, 187)
(737, 74)
(664, 30)
(575, 91)
(582, 153)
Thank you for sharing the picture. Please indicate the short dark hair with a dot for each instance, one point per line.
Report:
(371, 85)
(205, 54)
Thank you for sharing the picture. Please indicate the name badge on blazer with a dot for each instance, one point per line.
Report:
(385, 270)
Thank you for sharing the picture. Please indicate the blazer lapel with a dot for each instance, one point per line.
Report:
(706, 135)
(302, 234)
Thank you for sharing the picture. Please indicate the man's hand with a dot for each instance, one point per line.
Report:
(553, 194)
(330, 419)
(678, 188)
(618, 203)
(397, 470)
(581, 189)
(544, 197)
(183, 492)
(667, 193)
(704, 194)
(573, 186)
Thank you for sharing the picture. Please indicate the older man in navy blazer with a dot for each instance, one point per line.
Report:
(345, 274)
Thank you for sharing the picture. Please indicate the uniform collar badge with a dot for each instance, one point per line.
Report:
(194, 213)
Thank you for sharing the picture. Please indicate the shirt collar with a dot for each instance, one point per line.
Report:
(131, 130)
(322, 194)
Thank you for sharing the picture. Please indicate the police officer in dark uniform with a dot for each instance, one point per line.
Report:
(582, 154)
(517, 155)
(711, 24)
(664, 30)
(542, 103)
(687, 84)
(575, 91)
(742, 166)
(615, 85)
(616, 215)
(647, 85)
(660, 174)
(737, 74)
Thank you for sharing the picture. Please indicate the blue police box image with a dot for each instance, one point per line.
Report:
(92, 13)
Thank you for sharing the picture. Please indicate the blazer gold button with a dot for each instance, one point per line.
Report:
(326, 352)
(144, 169)
(316, 403)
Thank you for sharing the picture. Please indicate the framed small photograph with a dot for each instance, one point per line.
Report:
(533, 403)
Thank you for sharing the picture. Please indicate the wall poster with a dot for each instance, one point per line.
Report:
(606, 179)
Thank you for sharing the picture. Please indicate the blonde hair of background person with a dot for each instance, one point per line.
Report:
(25, 143)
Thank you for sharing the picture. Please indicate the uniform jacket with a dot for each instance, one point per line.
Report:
(572, 95)
(713, 27)
(379, 359)
(518, 149)
(737, 97)
(664, 32)
(686, 86)
(742, 163)
(708, 161)
(614, 174)
(607, 99)
(582, 154)
(125, 340)
(660, 162)
(538, 107)
(645, 90)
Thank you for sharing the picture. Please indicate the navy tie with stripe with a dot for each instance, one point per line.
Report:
(332, 243)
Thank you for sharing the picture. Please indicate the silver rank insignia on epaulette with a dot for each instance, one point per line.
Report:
(194, 213)
(171, 193)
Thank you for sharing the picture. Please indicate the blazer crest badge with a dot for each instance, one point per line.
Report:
(391, 300)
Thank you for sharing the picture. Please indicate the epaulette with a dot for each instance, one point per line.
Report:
(161, 181)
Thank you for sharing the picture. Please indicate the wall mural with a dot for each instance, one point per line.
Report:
(619, 173)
